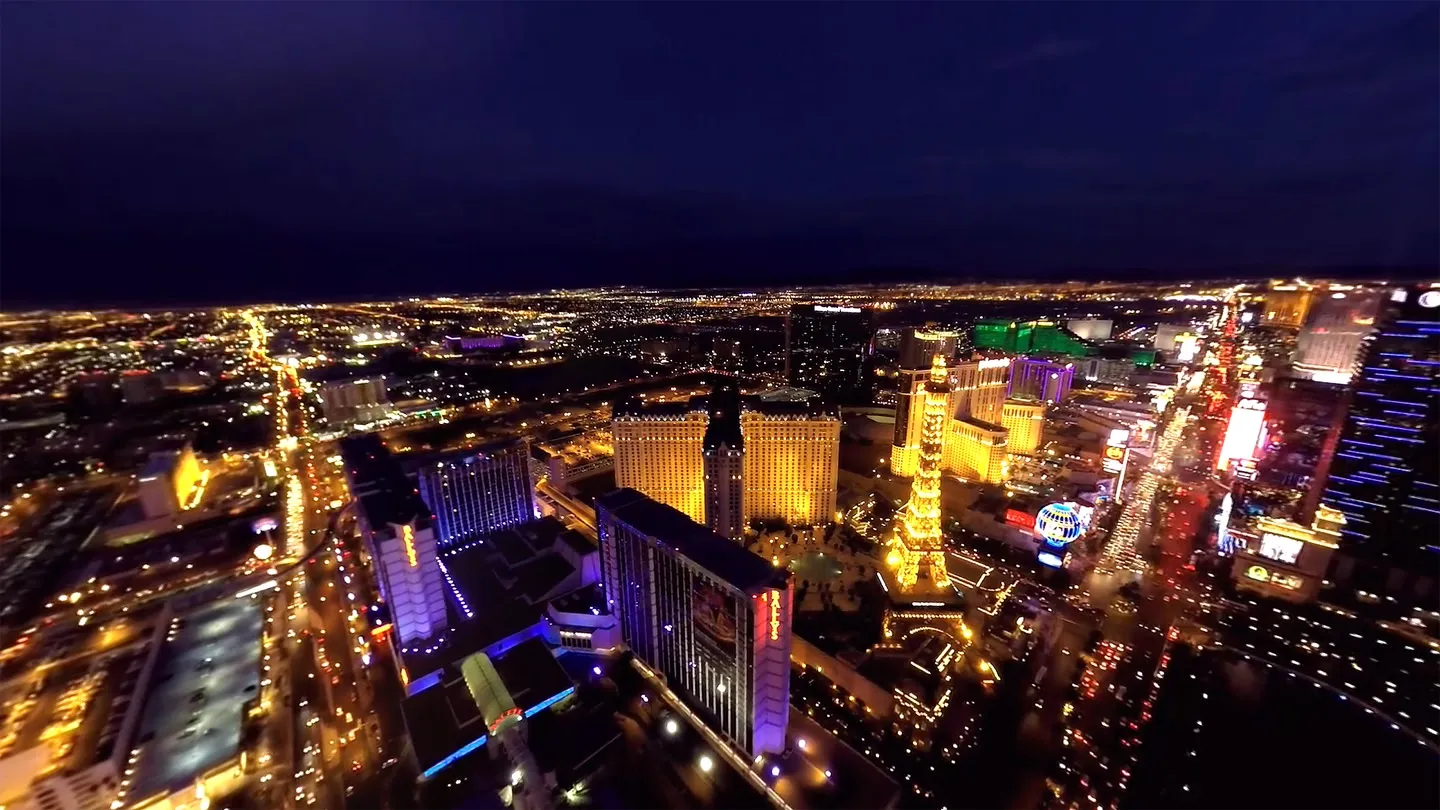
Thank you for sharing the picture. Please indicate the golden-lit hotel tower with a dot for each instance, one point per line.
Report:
(686, 455)
(792, 459)
(918, 546)
(975, 440)
(976, 451)
(658, 451)
(918, 347)
(1288, 304)
(977, 392)
(724, 452)
(977, 389)
(1024, 423)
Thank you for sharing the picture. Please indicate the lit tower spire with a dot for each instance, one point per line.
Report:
(918, 544)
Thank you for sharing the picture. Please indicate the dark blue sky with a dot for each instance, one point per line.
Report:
(212, 151)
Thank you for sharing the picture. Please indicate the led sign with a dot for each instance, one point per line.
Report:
(1279, 548)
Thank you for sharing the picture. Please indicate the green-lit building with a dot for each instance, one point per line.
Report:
(1043, 338)
(1029, 337)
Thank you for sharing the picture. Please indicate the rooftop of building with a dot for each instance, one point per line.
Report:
(980, 423)
(587, 489)
(576, 542)
(162, 462)
(813, 406)
(499, 587)
(468, 455)
(589, 599)
(723, 558)
(531, 673)
(796, 402)
(386, 494)
(519, 544)
(86, 701)
(448, 712)
(193, 719)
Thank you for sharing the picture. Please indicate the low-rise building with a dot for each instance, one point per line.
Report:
(1289, 560)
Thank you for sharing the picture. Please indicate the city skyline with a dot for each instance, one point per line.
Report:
(783, 406)
(909, 546)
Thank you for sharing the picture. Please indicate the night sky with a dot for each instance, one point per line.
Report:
(177, 152)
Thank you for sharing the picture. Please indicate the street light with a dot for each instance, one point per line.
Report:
(671, 727)
(706, 763)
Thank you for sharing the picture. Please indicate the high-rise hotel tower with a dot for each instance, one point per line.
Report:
(1385, 476)
(974, 445)
(479, 490)
(659, 450)
(687, 455)
(399, 531)
(918, 348)
(710, 616)
(827, 349)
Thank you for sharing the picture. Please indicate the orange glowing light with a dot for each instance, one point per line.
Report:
(774, 615)
(505, 715)
(407, 534)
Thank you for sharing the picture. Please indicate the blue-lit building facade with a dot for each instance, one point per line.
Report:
(478, 491)
(1385, 472)
(1042, 378)
(709, 615)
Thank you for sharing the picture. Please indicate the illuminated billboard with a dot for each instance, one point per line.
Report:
(1059, 525)
(1224, 539)
(1189, 346)
(1260, 573)
(1280, 549)
(1242, 433)
(1114, 460)
(1016, 517)
(713, 613)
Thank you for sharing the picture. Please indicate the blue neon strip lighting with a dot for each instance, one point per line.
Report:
(474, 744)
(450, 760)
(424, 682)
(548, 702)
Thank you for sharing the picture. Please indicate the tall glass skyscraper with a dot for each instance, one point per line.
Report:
(1385, 475)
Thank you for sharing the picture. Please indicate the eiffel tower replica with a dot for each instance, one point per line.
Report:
(917, 550)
